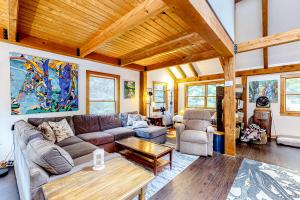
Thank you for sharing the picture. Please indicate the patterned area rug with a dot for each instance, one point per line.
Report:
(180, 163)
(257, 180)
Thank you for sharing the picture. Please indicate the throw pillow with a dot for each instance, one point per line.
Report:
(124, 117)
(139, 124)
(62, 130)
(47, 132)
(50, 157)
(132, 118)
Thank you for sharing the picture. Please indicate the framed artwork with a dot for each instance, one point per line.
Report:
(268, 88)
(42, 85)
(129, 89)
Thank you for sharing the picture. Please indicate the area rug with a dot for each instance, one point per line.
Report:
(257, 180)
(179, 164)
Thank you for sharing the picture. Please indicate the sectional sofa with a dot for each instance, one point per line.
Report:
(90, 132)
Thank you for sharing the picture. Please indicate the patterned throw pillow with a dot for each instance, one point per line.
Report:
(61, 129)
(132, 118)
(47, 132)
(139, 124)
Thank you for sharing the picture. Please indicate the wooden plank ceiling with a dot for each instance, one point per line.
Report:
(127, 33)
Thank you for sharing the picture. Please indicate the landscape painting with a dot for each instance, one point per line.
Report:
(268, 88)
(41, 85)
(129, 89)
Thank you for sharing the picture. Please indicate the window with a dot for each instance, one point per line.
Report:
(201, 95)
(290, 94)
(160, 95)
(103, 93)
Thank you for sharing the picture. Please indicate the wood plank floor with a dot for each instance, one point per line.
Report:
(211, 178)
(207, 178)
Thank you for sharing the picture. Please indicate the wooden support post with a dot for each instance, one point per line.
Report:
(265, 30)
(175, 97)
(143, 93)
(229, 106)
(244, 98)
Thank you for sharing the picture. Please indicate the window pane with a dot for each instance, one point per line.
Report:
(102, 89)
(195, 102)
(158, 87)
(158, 105)
(211, 102)
(293, 103)
(293, 86)
(211, 90)
(196, 90)
(99, 108)
(159, 93)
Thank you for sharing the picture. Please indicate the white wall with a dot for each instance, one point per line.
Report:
(161, 75)
(281, 125)
(6, 119)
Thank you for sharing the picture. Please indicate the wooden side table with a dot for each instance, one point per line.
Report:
(219, 138)
(156, 121)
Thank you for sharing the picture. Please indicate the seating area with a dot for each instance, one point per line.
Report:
(149, 99)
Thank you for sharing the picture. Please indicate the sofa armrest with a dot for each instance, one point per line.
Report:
(210, 136)
(179, 129)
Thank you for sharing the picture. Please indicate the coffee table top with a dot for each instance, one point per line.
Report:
(144, 146)
(97, 185)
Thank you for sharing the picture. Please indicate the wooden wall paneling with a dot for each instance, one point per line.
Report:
(265, 30)
(13, 9)
(185, 59)
(269, 41)
(244, 98)
(133, 18)
(200, 17)
(143, 93)
(229, 106)
(180, 71)
(177, 43)
(192, 69)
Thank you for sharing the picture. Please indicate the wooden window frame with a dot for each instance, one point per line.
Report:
(283, 94)
(102, 75)
(205, 84)
(165, 85)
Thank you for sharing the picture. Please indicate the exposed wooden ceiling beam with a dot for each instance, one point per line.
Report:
(44, 45)
(186, 40)
(180, 71)
(171, 74)
(265, 30)
(200, 17)
(269, 41)
(192, 69)
(13, 9)
(251, 72)
(133, 18)
(237, 1)
(183, 60)
(222, 62)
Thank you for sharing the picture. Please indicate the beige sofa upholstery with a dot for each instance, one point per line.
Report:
(195, 134)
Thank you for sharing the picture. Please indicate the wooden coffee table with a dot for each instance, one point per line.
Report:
(119, 180)
(145, 153)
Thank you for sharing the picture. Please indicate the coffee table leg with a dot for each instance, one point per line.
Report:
(155, 166)
(171, 158)
(142, 193)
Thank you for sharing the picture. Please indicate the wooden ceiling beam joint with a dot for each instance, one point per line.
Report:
(13, 10)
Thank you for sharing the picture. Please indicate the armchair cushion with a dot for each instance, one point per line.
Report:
(194, 136)
(199, 125)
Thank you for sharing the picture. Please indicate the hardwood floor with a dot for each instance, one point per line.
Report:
(211, 178)
(207, 178)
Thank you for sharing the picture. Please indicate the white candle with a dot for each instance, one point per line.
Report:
(98, 159)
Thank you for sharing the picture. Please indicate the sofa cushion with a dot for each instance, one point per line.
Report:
(108, 122)
(199, 125)
(47, 132)
(124, 117)
(139, 124)
(61, 129)
(86, 124)
(150, 132)
(69, 141)
(194, 136)
(27, 132)
(79, 149)
(133, 117)
(97, 138)
(37, 121)
(120, 132)
(49, 156)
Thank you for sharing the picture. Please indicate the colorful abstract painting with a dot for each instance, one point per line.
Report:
(268, 88)
(129, 89)
(41, 85)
